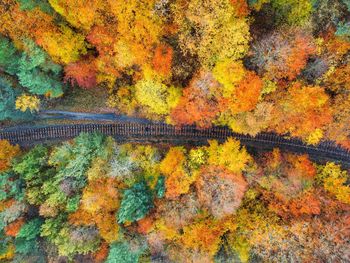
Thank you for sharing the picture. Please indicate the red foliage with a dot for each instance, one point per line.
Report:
(82, 73)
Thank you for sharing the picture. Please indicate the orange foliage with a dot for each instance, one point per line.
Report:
(336, 47)
(60, 42)
(177, 180)
(13, 228)
(300, 166)
(98, 204)
(145, 225)
(245, 96)
(82, 73)
(301, 111)
(7, 152)
(101, 254)
(162, 59)
(198, 104)
(298, 56)
(241, 7)
(287, 176)
(339, 80)
(205, 235)
(103, 39)
(306, 204)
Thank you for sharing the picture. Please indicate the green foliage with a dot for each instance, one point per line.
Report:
(160, 187)
(30, 230)
(8, 96)
(33, 67)
(343, 29)
(292, 12)
(52, 226)
(38, 73)
(25, 241)
(9, 56)
(136, 203)
(11, 186)
(70, 240)
(32, 4)
(123, 252)
(33, 169)
(76, 240)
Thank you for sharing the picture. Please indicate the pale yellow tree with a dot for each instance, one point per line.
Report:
(27, 102)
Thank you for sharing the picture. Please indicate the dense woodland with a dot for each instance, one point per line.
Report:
(261, 65)
(93, 200)
(258, 65)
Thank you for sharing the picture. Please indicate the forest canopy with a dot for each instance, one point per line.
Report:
(255, 66)
(236, 63)
(94, 200)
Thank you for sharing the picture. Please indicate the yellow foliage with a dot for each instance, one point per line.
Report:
(334, 181)
(27, 102)
(9, 253)
(229, 74)
(315, 137)
(221, 33)
(229, 155)
(268, 87)
(138, 27)
(78, 13)
(98, 169)
(63, 45)
(155, 95)
(241, 246)
(59, 41)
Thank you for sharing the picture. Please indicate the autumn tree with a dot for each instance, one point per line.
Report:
(77, 13)
(27, 102)
(198, 104)
(287, 58)
(293, 12)
(223, 34)
(83, 73)
(154, 95)
(59, 41)
(334, 181)
(7, 153)
(177, 179)
(162, 59)
(98, 203)
(313, 111)
(220, 191)
(230, 155)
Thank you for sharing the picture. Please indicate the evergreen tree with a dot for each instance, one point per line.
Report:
(136, 203)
